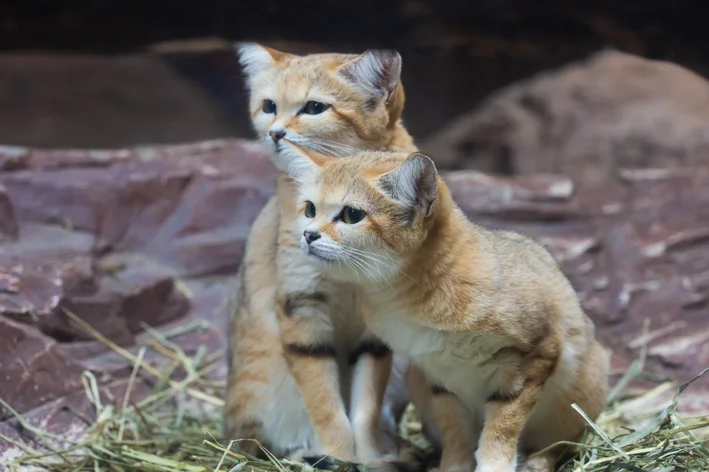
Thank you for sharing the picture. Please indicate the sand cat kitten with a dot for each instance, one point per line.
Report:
(488, 315)
(306, 378)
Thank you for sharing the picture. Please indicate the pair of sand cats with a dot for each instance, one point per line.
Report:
(364, 287)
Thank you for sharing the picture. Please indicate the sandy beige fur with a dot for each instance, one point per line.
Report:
(292, 384)
(487, 315)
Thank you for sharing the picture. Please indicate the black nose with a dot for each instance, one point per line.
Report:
(311, 236)
(277, 135)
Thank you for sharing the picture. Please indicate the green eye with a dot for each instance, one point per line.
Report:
(310, 209)
(352, 215)
(314, 108)
(269, 106)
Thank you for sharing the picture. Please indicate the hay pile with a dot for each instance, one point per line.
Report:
(176, 426)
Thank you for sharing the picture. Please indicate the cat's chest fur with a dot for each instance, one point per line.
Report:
(462, 362)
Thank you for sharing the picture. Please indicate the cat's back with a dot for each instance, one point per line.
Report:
(528, 270)
(514, 247)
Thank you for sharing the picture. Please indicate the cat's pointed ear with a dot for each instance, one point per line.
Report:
(255, 58)
(376, 71)
(297, 161)
(414, 182)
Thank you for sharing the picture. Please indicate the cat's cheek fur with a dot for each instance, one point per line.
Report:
(321, 125)
(262, 123)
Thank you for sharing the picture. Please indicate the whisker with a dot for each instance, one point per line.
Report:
(363, 267)
(358, 266)
(324, 146)
(375, 268)
(351, 266)
(338, 144)
(371, 254)
(376, 257)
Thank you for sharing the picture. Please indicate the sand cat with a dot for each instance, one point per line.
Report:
(487, 315)
(306, 378)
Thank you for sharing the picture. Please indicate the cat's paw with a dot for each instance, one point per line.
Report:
(495, 462)
(501, 466)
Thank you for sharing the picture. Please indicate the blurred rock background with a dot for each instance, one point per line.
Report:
(109, 73)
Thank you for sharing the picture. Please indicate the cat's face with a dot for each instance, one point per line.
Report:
(330, 103)
(362, 217)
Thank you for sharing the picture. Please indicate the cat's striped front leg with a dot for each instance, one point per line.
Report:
(450, 416)
(457, 430)
(307, 335)
(372, 361)
(506, 414)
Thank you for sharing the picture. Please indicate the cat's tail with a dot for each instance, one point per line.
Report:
(411, 458)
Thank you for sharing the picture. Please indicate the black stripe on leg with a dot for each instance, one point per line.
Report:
(370, 347)
(502, 397)
(438, 389)
(302, 299)
(505, 397)
(313, 350)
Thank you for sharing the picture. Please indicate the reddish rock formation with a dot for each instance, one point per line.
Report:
(33, 370)
(586, 120)
(8, 224)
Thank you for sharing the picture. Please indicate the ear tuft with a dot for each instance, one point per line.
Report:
(414, 182)
(376, 72)
(255, 58)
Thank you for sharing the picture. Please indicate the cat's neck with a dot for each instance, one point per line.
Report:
(398, 139)
(443, 235)
(445, 261)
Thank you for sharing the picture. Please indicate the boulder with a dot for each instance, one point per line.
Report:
(8, 223)
(587, 120)
(33, 370)
(38, 269)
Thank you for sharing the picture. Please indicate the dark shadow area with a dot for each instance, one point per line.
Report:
(96, 86)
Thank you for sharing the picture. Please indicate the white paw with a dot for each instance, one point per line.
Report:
(501, 466)
(369, 451)
(494, 463)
